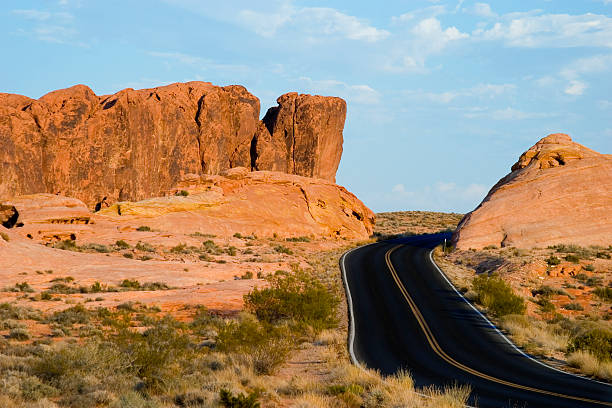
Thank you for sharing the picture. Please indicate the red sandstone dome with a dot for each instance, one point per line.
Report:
(558, 192)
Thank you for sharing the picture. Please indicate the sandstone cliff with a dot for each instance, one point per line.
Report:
(136, 144)
(558, 192)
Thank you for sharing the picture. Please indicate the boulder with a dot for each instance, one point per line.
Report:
(557, 192)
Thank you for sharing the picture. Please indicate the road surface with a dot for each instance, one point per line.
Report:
(405, 314)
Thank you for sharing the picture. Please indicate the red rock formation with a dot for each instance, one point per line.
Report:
(558, 192)
(302, 135)
(137, 144)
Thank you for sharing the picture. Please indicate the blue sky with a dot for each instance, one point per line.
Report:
(443, 96)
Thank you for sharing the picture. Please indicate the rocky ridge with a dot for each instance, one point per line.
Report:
(136, 144)
(557, 192)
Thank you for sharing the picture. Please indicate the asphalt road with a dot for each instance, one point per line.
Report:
(405, 315)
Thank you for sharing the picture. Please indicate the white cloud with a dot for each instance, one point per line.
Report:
(362, 94)
(488, 91)
(506, 114)
(425, 38)
(534, 30)
(43, 15)
(399, 188)
(575, 88)
(312, 23)
(483, 10)
(198, 62)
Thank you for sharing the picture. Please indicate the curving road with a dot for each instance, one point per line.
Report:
(405, 314)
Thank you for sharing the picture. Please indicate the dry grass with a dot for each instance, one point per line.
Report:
(536, 336)
(590, 365)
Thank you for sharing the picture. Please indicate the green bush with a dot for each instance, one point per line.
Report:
(228, 400)
(497, 296)
(73, 315)
(572, 258)
(143, 228)
(596, 341)
(155, 353)
(22, 287)
(122, 244)
(19, 333)
(298, 297)
(283, 250)
(573, 306)
(182, 193)
(553, 260)
(265, 345)
(604, 293)
(143, 246)
(298, 239)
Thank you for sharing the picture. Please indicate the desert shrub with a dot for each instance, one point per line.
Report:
(23, 287)
(573, 306)
(180, 249)
(143, 246)
(143, 228)
(128, 255)
(283, 250)
(546, 306)
(552, 260)
(598, 342)
(5, 236)
(67, 245)
(73, 315)
(497, 296)
(155, 353)
(210, 247)
(122, 244)
(96, 247)
(603, 293)
(593, 281)
(263, 345)
(130, 283)
(572, 258)
(229, 400)
(247, 275)
(547, 291)
(238, 235)
(19, 333)
(298, 239)
(9, 311)
(145, 258)
(298, 297)
(231, 250)
(63, 289)
(603, 255)
(589, 268)
(182, 193)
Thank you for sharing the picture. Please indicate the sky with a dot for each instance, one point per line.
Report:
(443, 96)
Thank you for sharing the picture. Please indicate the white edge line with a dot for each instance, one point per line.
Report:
(349, 299)
(500, 333)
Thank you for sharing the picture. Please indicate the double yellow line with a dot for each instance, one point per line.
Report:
(431, 339)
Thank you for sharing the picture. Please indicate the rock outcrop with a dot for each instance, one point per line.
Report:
(302, 135)
(265, 203)
(136, 144)
(558, 192)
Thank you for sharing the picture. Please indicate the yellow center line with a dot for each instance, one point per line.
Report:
(431, 339)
